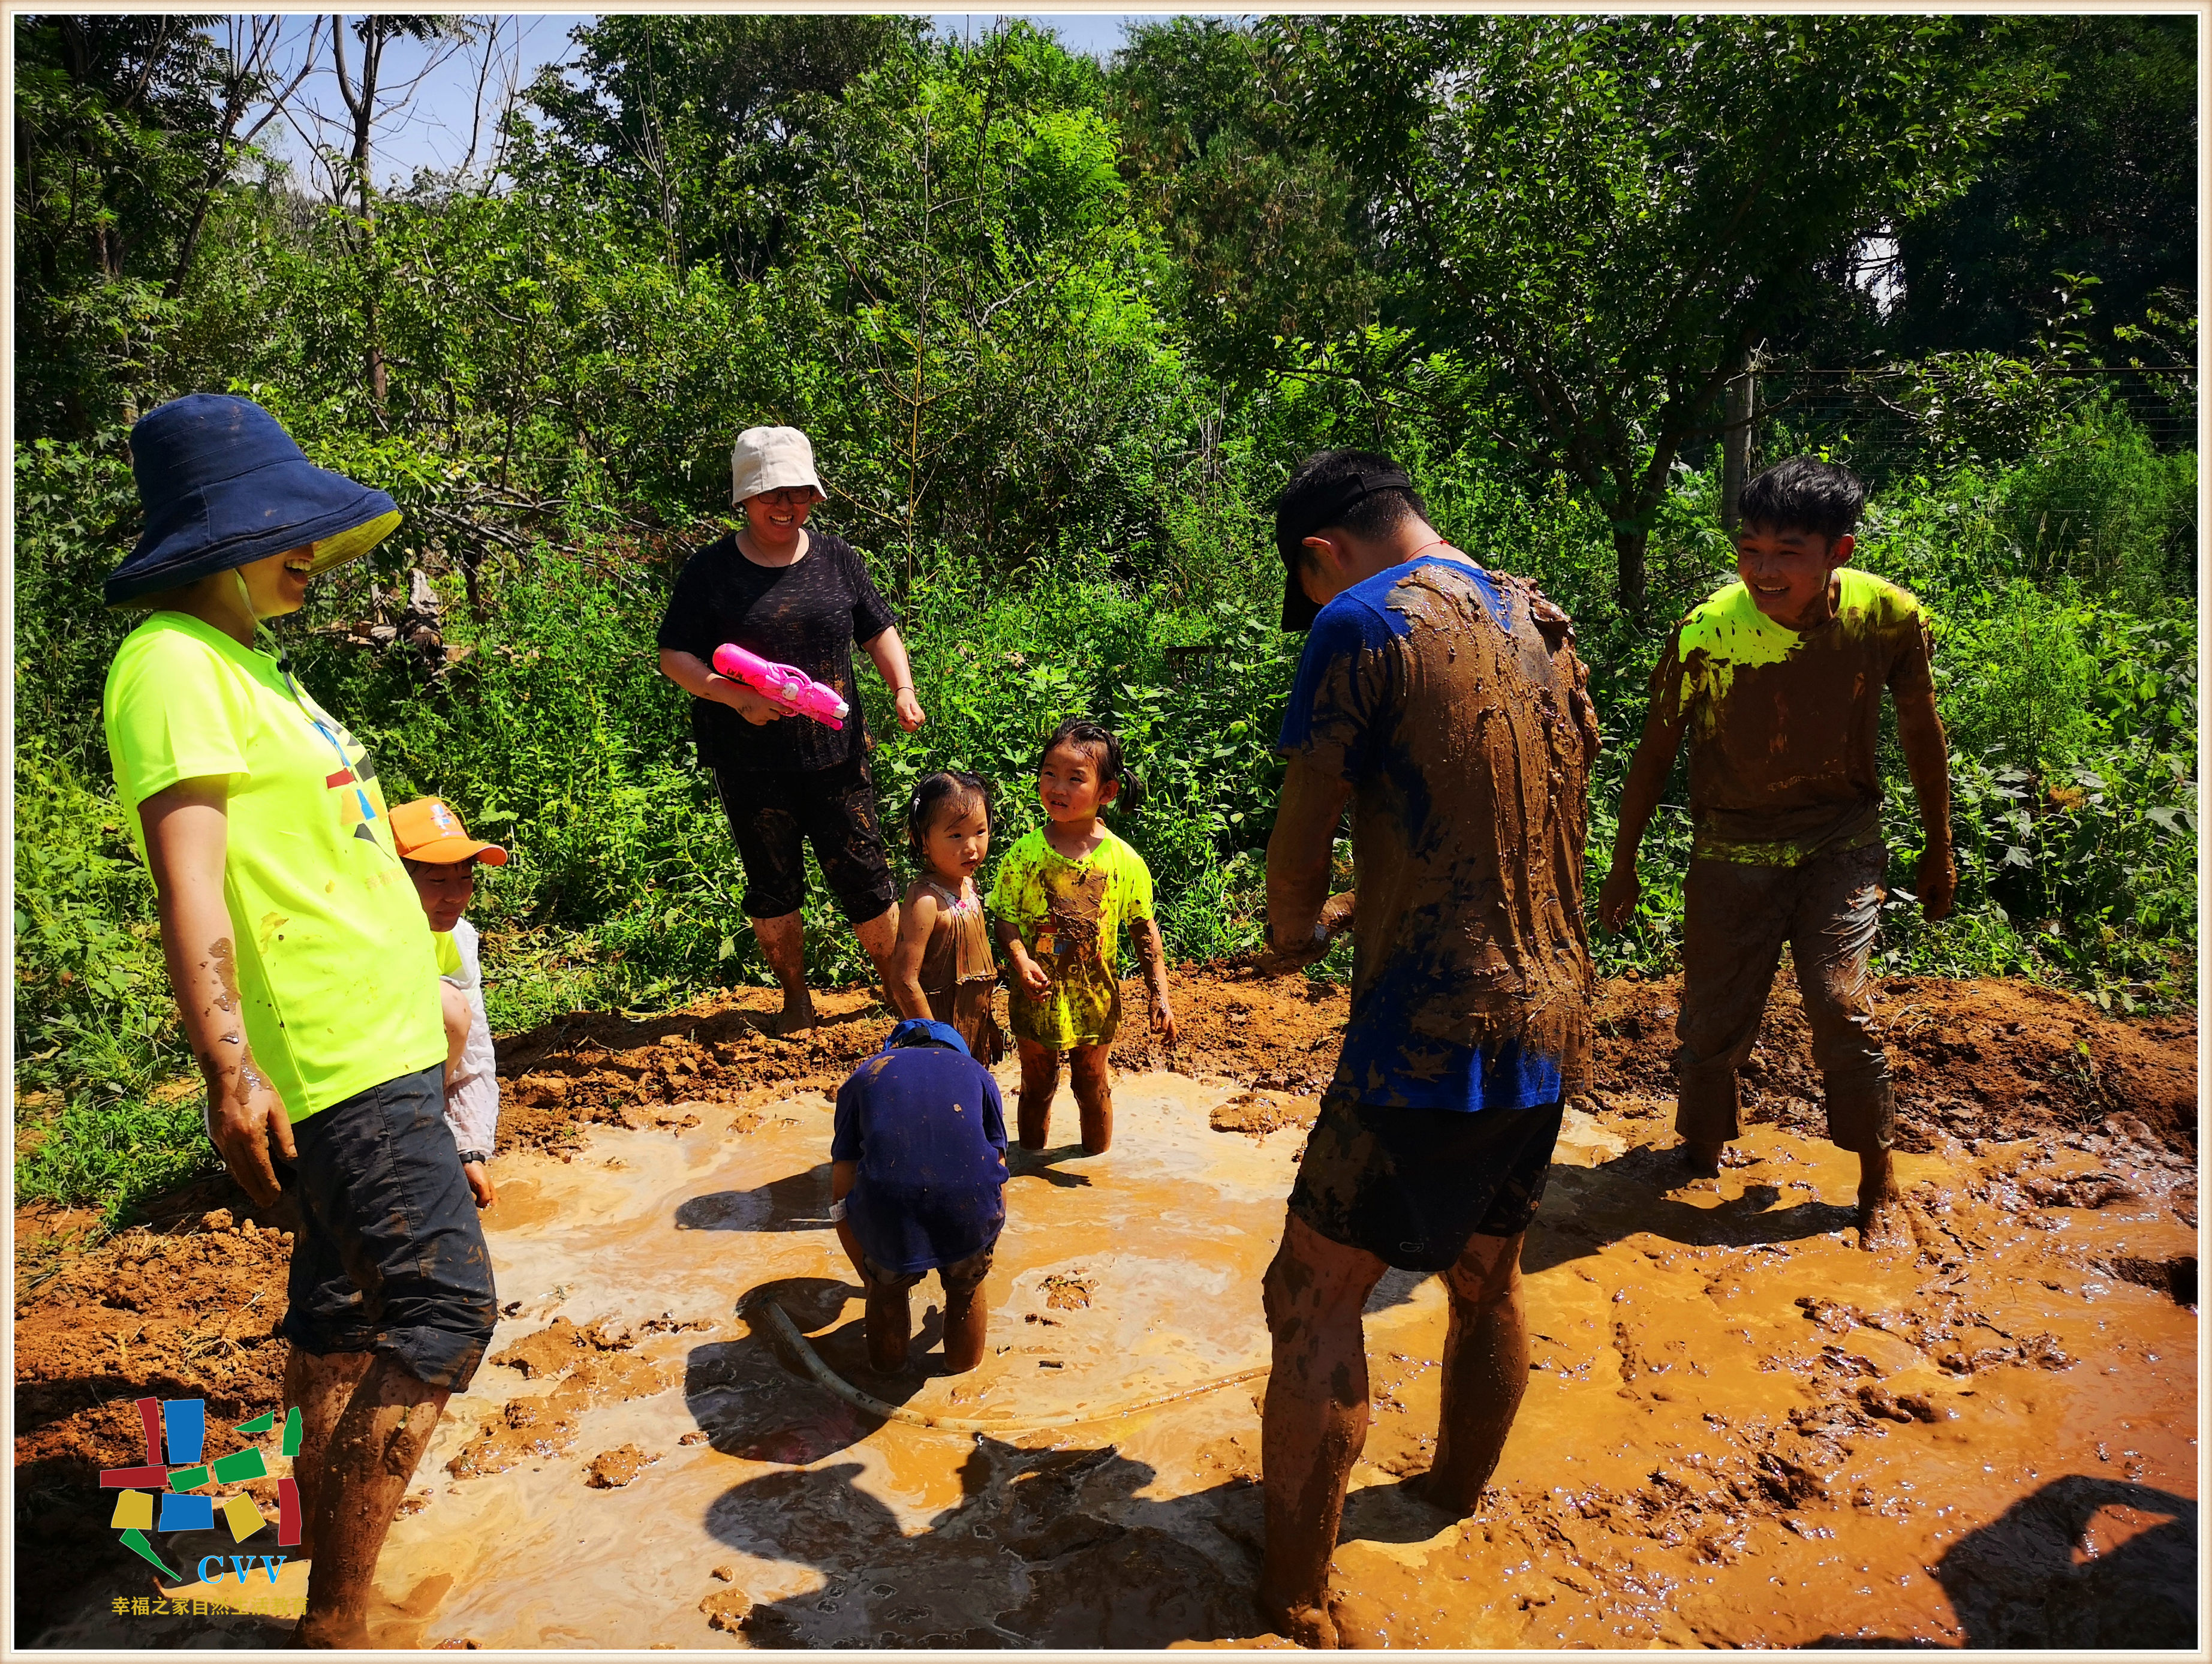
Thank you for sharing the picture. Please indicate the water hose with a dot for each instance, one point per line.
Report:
(868, 1404)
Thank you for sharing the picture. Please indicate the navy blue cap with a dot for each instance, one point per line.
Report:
(927, 1031)
(224, 485)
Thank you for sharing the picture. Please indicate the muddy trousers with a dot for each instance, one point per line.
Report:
(1737, 918)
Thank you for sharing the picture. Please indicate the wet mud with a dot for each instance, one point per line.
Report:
(1741, 1429)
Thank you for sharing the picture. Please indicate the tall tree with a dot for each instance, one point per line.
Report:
(2100, 182)
(1601, 217)
(697, 123)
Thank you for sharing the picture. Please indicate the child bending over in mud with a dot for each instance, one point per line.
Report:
(441, 859)
(942, 965)
(917, 1184)
(1778, 681)
(1062, 895)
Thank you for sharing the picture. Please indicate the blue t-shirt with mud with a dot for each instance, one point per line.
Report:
(927, 1126)
(1451, 701)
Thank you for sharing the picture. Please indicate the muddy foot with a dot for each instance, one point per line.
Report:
(1307, 1625)
(797, 1017)
(1360, 1620)
(1884, 1222)
(1703, 1161)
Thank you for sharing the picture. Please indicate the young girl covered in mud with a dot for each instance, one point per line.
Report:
(942, 966)
(1062, 895)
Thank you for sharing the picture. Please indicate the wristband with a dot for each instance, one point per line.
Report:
(837, 1212)
(473, 1158)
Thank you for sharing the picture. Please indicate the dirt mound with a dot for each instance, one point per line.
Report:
(187, 1312)
(1971, 1061)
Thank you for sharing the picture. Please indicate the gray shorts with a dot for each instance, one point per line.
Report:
(390, 1256)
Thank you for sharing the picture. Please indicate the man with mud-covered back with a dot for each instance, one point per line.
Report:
(1445, 704)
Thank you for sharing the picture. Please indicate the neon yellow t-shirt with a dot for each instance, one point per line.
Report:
(336, 971)
(1070, 915)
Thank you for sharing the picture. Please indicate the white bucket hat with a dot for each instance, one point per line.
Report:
(768, 459)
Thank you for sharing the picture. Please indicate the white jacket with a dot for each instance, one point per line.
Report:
(472, 1102)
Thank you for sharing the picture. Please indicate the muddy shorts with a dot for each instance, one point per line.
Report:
(1411, 1186)
(957, 1279)
(1736, 919)
(774, 813)
(389, 1256)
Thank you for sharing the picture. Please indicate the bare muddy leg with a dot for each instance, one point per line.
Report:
(321, 1387)
(1314, 1422)
(1883, 1219)
(967, 1322)
(1094, 1097)
(371, 1454)
(877, 937)
(1040, 1081)
(890, 1324)
(783, 945)
(1486, 1371)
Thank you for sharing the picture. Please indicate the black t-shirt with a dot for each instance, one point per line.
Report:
(808, 615)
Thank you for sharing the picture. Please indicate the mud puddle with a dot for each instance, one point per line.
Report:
(1740, 1428)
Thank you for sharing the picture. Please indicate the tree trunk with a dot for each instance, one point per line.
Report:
(1628, 547)
(1735, 444)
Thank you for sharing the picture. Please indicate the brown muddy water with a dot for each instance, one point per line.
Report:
(1740, 1428)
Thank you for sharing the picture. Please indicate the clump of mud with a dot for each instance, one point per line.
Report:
(592, 1365)
(612, 1469)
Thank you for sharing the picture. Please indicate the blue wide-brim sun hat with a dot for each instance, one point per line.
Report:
(224, 485)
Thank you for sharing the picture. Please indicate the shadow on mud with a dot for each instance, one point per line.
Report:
(1584, 1208)
(1045, 1548)
(2032, 1577)
(798, 1201)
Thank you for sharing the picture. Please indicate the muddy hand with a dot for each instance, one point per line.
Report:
(1939, 882)
(1164, 1020)
(1616, 901)
(480, 1185)
(1036, 982)
(243, 1127)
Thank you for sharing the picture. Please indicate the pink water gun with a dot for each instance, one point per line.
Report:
(784, 683)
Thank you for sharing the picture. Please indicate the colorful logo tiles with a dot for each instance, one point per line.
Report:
(179, 1481)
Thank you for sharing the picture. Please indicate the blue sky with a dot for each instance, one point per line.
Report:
(437, 128)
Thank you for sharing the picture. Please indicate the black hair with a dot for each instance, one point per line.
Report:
(1325, 475)
(930, 793)
(1105, 749)
(1804, 493)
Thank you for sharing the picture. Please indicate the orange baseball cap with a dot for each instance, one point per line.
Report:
(426, 831)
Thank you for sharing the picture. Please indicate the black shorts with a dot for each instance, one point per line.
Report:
(1411, 1186)
(963, 1274)
(774, 813)
(390, 1256)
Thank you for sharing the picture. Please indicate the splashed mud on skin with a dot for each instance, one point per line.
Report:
(1739, 1429)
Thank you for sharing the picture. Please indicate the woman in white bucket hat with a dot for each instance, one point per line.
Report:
(801, 597)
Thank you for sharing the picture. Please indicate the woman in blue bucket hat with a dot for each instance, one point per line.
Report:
(305, 976)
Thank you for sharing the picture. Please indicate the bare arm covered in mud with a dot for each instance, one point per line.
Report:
(918, 917)
(1302, 917)
(843, 1176)
(1036, 980)
(187, 837)
(1920, 733)
(1146, 933)
(1639, 801)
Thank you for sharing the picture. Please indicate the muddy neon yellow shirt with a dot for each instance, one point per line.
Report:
(335, 967)
(1070, 915)
(1783, 726)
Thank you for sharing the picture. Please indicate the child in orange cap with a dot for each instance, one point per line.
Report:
(441, 859)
